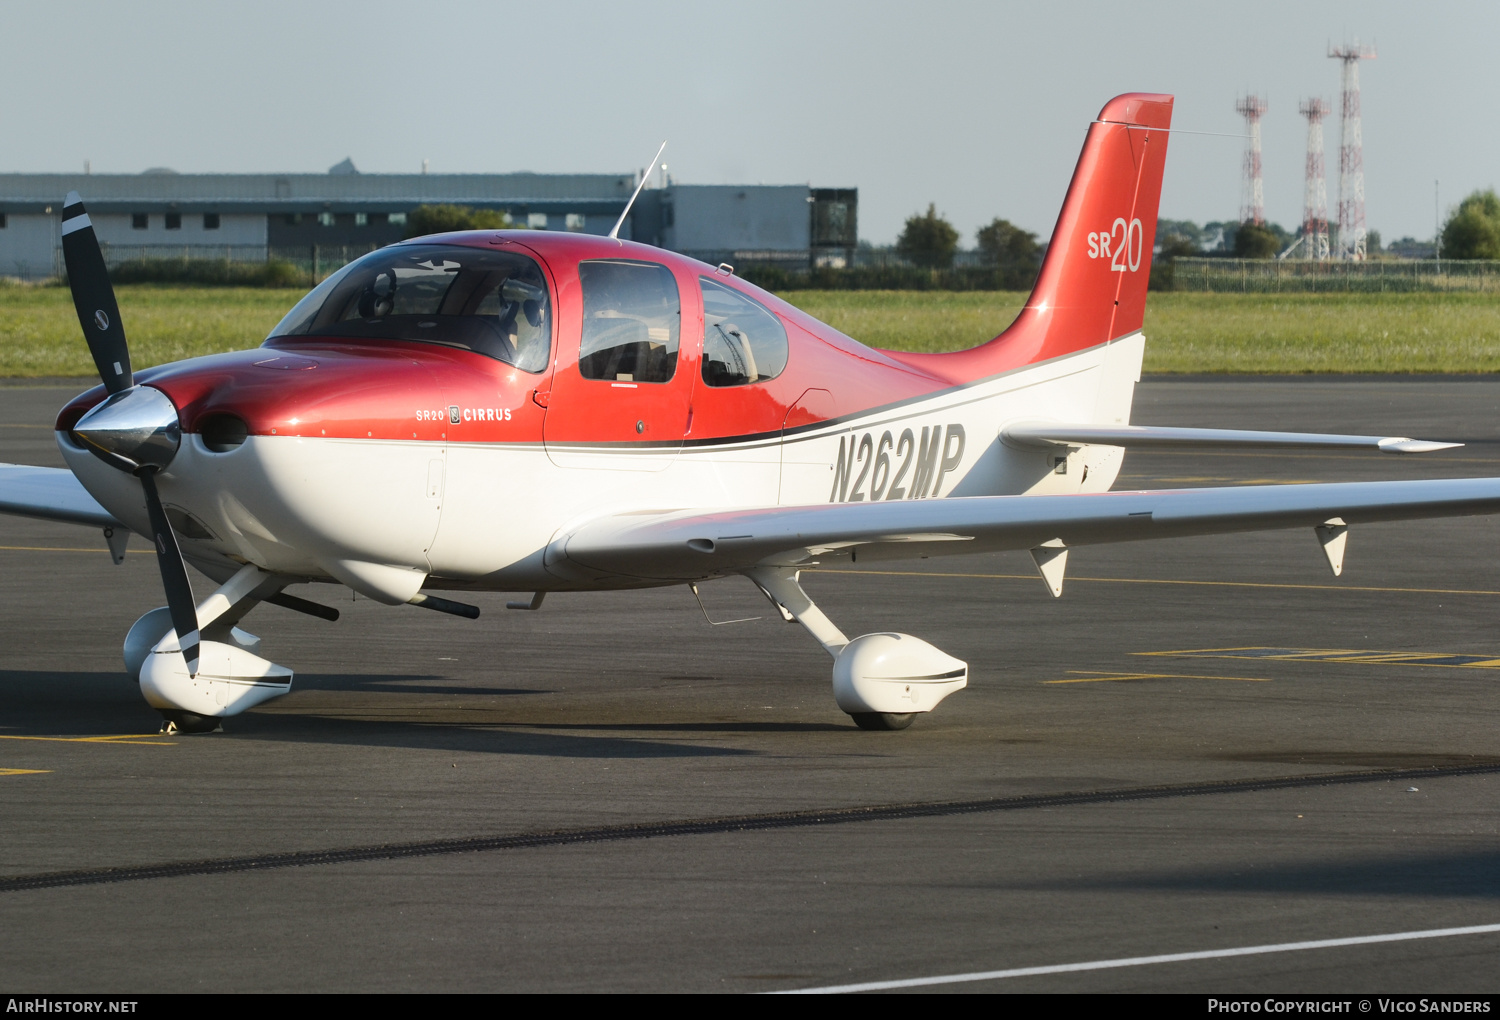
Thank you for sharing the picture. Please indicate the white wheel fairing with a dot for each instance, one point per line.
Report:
(230, 679)
(149, 631)
(143, 636)
(895, 674)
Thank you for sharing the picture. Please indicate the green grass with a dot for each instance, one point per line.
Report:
(1259, 333)
(39, 332)
(1270, 333)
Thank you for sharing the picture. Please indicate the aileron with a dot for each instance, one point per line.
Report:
(1164, 438)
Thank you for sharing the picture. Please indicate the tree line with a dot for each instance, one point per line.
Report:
(929, 241)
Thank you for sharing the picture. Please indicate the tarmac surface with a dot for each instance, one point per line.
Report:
(611, 795)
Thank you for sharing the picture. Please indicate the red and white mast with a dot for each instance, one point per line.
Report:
(1351, 241)
(1315, 194)
(1253, 203)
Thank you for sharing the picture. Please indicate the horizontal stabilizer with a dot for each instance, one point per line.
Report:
(51, 494)
(1160, 438)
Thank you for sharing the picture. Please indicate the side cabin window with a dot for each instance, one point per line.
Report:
(742, 341)
(632, 318)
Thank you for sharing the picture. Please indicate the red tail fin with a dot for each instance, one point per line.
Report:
(1092, 286)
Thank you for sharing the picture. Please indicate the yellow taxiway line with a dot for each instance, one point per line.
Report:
(1105, 676)
(24, 772)
(121, 738)
(69, 548)
(1442, 660)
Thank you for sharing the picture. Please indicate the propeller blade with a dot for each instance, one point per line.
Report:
(94, 297)
(174, 576)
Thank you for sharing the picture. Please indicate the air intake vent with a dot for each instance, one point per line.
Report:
(223, 432)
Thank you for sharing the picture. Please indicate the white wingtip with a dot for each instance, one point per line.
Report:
(1400, 444)
(73, 198)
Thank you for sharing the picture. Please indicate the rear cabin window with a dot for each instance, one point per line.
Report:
(742, 341)
(632, 318)
(491, 302)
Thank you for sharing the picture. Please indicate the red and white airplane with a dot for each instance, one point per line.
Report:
(536, 412)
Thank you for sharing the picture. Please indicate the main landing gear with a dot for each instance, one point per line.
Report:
(884, 680)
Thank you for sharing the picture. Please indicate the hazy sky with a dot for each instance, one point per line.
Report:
(979, 107)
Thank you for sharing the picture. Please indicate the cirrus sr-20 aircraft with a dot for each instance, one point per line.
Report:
(535, 412)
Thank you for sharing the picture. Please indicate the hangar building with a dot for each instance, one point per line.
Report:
(343, 213)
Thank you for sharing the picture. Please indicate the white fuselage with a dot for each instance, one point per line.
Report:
(386, 517)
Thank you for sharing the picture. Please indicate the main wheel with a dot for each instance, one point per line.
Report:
(882, 720)
(178, 721)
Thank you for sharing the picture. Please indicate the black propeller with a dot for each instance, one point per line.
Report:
(135, 429)
(174, 576)
(93, 296)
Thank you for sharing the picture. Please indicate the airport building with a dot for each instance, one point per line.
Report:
(343, 213)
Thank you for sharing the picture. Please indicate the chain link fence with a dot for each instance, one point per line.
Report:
(310, 262)
(1269, 276)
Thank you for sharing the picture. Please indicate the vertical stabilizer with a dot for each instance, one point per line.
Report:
(1092, 284)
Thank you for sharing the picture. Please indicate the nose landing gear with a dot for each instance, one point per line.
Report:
(230, 676)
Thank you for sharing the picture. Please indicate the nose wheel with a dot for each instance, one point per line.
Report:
(176, 721)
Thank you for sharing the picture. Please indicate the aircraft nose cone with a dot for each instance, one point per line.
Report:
(133, 429)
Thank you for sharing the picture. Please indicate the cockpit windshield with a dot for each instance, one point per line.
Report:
(492, 302)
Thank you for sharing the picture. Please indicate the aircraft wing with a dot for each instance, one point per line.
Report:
(51, 494)
(1162, 438)
(689, 545)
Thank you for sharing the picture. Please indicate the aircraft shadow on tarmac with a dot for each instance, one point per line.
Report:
(413, 684)
(726, 726)
(41, 703)
(1469, 874)
(480, 735)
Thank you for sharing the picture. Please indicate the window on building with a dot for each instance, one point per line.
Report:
(398, 219)
(575, 221)
(139, 221)
(379, 218)
(325, 218)
(742, 341)
(361, 219)
(631, 319)
(174, 221)
(210, 221)
(537, 220)
(293, 219)
(2, 221)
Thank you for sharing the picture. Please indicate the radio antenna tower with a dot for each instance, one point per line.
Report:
(1315, 198)
(1351, 154)
(1253, 207)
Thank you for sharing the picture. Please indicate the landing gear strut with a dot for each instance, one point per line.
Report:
(882, 680)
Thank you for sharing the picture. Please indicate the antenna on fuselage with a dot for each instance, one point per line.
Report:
(619, 222)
